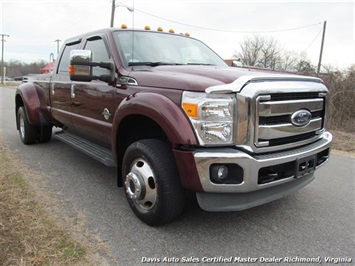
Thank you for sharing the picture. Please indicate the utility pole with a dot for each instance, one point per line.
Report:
(57, 41)
(112, 13)
(321, 48)
(2, 57)
(113, 9)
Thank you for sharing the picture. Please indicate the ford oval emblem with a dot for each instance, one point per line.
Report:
(301, 118)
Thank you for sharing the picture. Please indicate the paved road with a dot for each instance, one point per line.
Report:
(316, 221)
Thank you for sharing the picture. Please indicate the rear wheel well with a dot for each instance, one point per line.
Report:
(132, 129)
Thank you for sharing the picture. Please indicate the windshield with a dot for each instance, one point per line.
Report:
(153, 49)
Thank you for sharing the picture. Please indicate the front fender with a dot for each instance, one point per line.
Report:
(162, 110)
(36, 104)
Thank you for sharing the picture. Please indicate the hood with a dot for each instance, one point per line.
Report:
(192, 78)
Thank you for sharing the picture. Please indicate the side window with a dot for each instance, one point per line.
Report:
(99, 54)
(64, 60)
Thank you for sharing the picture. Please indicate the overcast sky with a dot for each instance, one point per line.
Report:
(34, 25)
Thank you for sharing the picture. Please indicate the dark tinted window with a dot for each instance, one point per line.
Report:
(64, 60)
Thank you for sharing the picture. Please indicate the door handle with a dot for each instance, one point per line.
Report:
(72, 91)
(53, 88)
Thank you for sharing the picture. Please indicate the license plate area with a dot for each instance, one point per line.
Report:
(305, 166)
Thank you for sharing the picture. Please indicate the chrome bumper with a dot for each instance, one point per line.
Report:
(249, 193)
(251, 165)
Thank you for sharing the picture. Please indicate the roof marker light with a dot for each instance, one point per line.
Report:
(160, 29)
(147, 27)
(123, 26)
(187, 34)
(171, 31)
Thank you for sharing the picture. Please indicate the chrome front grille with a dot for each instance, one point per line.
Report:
(273, 123)
(269, 113)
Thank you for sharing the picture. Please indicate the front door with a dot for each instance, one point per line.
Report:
(93, 102)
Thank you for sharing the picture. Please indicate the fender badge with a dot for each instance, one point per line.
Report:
(106, 114)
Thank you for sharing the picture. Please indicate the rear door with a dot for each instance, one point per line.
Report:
(93, 102)
(60, 87)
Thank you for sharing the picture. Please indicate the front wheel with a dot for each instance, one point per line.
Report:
(151, 182)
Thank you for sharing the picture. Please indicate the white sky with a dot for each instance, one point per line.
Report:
(34, 25)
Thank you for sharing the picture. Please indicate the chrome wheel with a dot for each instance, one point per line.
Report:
(28, 132)
(151, 182)
(22, 127)
(141, 185)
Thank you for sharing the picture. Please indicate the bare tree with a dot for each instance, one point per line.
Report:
(288, 61)
(260, 51)
(250, 50)
(341, 98)
(270, 53)
(266, 52)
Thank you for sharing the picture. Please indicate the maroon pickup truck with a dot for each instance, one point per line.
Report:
(173, 117)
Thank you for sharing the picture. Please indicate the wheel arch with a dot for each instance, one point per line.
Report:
(149, 116)
(35, 102)
(133, 128)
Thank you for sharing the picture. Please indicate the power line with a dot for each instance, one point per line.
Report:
(230, 31)
(313, 40)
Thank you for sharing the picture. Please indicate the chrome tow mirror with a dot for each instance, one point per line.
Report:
(81, 64)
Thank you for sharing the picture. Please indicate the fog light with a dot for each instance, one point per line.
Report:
(222, 172)
(219, 172)
(226, 174)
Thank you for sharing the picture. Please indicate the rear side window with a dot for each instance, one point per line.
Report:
(64, 60)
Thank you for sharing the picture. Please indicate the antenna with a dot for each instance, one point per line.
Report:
(133, 35)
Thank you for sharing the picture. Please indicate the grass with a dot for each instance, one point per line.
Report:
(28, 235)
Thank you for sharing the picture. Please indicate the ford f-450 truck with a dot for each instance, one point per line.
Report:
(173, 117)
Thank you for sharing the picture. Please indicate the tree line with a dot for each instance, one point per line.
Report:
(341, 104)
(266, 52)
(16, 68)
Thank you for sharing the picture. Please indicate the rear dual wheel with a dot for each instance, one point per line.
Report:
(151, 182)
(29, 134)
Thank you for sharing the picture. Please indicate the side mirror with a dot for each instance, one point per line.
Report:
(81, 65)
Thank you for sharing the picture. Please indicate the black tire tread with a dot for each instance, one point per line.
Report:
(171, 195)
(31, 132)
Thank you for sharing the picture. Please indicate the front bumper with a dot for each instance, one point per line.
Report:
(251, 192)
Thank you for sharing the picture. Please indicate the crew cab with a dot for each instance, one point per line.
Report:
(172, 117)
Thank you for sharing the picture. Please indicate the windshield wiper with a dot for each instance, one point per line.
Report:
(200, 64)
(152, 64)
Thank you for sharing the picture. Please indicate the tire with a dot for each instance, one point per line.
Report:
(45, 134)
(28, 132)
(151, 182)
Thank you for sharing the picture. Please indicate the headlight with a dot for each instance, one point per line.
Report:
(211, 116)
